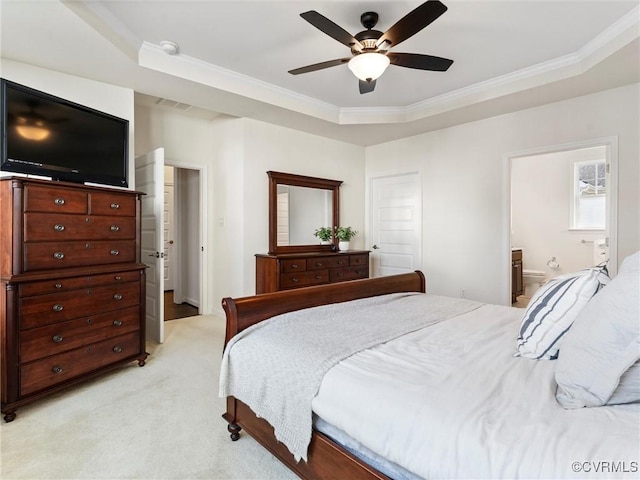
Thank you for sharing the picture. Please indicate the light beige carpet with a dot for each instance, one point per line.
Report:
(162, 421)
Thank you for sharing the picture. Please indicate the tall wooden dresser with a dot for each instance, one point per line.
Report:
(276, 272)
(73, 286)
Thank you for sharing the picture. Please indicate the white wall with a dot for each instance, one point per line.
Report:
(541, 196)
(466, 186)
(107, 98)
(237, 154)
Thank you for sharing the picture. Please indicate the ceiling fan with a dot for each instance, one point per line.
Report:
(370, 48)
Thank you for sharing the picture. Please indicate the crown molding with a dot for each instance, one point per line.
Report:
(608, 42)
(189, 68)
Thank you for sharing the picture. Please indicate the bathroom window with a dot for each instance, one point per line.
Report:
(589, 195)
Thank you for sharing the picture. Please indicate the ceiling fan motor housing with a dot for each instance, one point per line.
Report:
(368, 39)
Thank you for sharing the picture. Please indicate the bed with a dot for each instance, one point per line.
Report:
(434, 395)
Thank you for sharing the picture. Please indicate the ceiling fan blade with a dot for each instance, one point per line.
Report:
(325, 25)
(412, 23)
(366, 87)
(319, 66)
(419, 61)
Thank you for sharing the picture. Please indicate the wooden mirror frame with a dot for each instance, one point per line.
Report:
(278, 178)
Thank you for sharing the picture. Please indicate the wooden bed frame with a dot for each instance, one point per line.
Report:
(326, 459)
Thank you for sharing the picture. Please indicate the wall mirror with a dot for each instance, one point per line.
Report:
(298, 205)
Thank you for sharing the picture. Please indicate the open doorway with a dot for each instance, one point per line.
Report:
(563, 212)
(182, 246)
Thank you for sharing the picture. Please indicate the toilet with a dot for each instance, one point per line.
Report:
(532, 280)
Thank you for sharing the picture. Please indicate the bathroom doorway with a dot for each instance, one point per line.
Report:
(563, 210)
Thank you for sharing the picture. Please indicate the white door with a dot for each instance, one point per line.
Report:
(396, 224)
(150, 180)
(168, 227)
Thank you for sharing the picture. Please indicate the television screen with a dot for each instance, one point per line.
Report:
(49, 136)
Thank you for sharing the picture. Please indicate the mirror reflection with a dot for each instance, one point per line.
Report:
(300, 211)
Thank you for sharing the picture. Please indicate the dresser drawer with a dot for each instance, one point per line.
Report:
(65, 366)
(359, 260)
(107, 203)
(74, 283)
(294, 265)
(40, 227)
(348, 273)
(59, 307)
(47, 255)
(304, 279)
(40, 198)
(60, 337)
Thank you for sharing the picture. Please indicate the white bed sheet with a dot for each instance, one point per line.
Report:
(451, 401)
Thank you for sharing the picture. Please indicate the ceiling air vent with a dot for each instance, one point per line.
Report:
(172, 104)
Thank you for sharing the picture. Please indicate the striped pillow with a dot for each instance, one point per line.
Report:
(552, 310)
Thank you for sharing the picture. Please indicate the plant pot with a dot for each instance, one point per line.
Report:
(325, 242)
(342, 246)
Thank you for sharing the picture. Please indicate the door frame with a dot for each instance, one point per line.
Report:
(612, 200)
(205, 306)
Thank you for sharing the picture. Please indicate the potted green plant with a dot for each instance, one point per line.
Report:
(344, 236)
(325, 234)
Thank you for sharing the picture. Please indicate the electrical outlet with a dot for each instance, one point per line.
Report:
(463, 294)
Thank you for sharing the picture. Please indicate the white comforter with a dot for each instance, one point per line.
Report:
(451, 401)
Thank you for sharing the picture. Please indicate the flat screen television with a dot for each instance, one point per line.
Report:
(49, 136)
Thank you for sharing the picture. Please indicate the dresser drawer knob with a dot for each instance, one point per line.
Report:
(118, 277)
(58, 255)
(117, 323)
(57, 307)
(58, 228)
(295, 265)
(58, 286)
(115, 228)
(340, 262)
(318, 264)
(294, 279)
(117, 349)
(114, 252)
(318, 277)
(117, 296)
(57, 338)
(59, 201)
(57, 369)
(115, 206)
(339, 274)
(89, 321)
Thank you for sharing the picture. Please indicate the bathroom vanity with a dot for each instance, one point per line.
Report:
(517, 281)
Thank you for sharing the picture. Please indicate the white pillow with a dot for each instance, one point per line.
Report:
(553, 308)
(598, 364)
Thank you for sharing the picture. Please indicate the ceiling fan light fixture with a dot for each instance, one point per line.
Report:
(369, 66)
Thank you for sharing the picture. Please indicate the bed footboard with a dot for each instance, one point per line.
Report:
(243, 312)
(326, 459)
